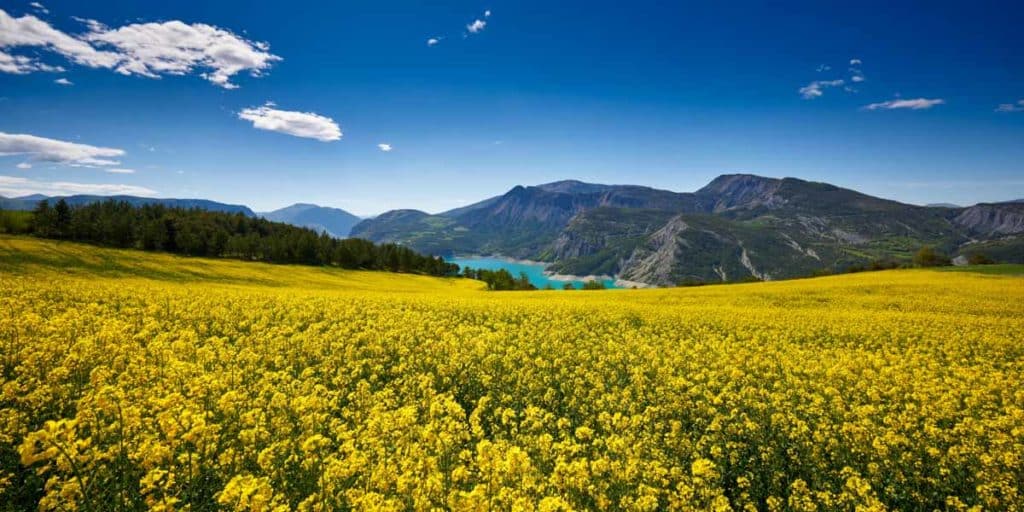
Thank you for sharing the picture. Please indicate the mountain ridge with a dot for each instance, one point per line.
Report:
(737, 226)
(29, 202)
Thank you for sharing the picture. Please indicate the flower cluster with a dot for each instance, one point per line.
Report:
(893, 390)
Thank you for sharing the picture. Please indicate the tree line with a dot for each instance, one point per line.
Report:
(197, 232)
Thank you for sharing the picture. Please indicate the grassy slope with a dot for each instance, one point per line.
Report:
(30, 256)
(46, 259)
(1004, 269)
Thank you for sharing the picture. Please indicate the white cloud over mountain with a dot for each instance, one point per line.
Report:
(57, 151)
(14, 186)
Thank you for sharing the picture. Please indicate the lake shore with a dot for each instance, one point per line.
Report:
(541, 268)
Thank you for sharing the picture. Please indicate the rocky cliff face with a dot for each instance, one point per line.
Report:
(656, 260)
(993, 219)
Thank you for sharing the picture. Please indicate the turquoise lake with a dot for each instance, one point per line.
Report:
(534, 271)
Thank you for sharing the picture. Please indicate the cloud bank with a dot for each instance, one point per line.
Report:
(14, 186)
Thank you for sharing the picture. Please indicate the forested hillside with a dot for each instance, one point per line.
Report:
(197, 232)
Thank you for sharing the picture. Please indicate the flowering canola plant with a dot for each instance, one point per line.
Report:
(240, 386)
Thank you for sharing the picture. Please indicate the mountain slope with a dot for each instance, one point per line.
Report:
(523, 222)
(333, 221)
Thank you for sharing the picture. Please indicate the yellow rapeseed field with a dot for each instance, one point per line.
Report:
(135, 381)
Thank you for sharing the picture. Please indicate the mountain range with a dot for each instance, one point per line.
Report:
(739, 226)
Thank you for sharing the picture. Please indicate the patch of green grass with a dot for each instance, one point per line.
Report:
(1003, 269)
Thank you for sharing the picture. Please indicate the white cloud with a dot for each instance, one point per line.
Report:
(384, 147)
(814, 89)
(1011, 107)
(63, 81)
(13, 186)
(24, 165)
(476, 27)
(146, 49)
(433, 41)
(914, 104)
(118, 170)
(823, 68)
(487, 13)
(39, 7)
(856, 75)
(20, 64)
(176, 48)
(299, 124)
(57, 151)
(30, 31)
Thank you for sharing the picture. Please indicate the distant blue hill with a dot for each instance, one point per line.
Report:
(30, 202)
(333, 221)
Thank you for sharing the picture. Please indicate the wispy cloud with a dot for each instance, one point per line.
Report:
(384, 147)
(63, 81)
(299, 124)
(1011, 107)
(913, 104)
(13, 186)
(434, 40)
(816, 88)
(476, 27)
(24, 165)
(118, 170)
(57, 151)
(144, 49)
(824, 67)
(856, 74)
(39, 7)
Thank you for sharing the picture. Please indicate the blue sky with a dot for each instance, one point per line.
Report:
(663, 94)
